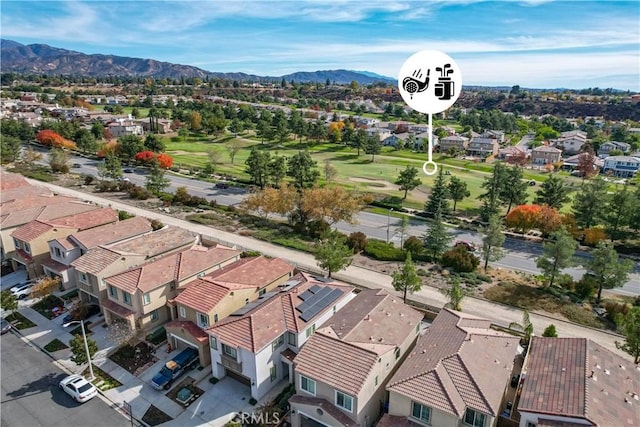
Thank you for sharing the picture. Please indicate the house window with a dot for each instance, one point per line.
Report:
(84, 279)
(473, 418)
(146, 299)
(273, 374)
(277, 342)
(229, 351)
(154, 315)
(344, 401)
(308, 385)
(262, 291)
(203, 320)
(246, 301)
(420, 412)
(27, 248)
(113, 292)
(215, 318)
(58, 253)
(292, 339)
(126, 297)
(310, 330)
(183, 312)
(213, 342)
(16, 243)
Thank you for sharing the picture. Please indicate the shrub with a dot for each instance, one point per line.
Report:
(181, 196)
(122, 215)
(550, 331)
(139, 193)
(383, 251)
(586, 287)
(594, 235)
(357, 241)
(156, 225)
(88, 179)
(460, 259)
(318, 228)
(157, 336)
(414, 245)
(106, 186)
(614, 309)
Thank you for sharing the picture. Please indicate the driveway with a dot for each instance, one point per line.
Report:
(12, 279)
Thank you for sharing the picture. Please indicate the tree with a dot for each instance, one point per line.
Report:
(129, 146)
(8, 300)
(258, 166)
(119, 332)
(302, 168)
(164, 160)
(332, 253)
(437, 238)
(78, 350)
(620, 210)
(154, 143)
(372, 146)
(402, 228)
(492, 241)
(513, 190)
(408, 180)
(553, 192)
(493, 186)
(557, 254)
(629, 325)
(406, 278)
(455, 293)
(585, 165)
(145, 157)
(526, 326)
(232, 148)
(156, 181)
(235, 126)
(590, 203)
(58, 160)
(438, 198)
(86, 141)
(523, 218)
(9, 148)
(277, 169)
(609, 271)
(550, 331)
(111, 168)
(45, 287)
(359, 140)
(330, 171)
(457, 190)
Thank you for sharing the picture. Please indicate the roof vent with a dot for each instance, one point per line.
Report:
(598, 366)
(564, 369)
(606, 371)
(622, 367)
(380, 339)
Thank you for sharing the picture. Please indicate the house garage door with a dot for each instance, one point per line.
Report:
(236, 376)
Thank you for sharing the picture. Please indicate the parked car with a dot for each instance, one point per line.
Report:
(532, 183)
(76, 165)
(22, 290)
(5, 326)
(78, 388)
(222, 185)
(127, 170)
(471, 247)
(80, 313)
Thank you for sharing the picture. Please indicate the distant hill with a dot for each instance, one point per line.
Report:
(45, 59)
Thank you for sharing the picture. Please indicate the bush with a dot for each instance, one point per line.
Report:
(107, 186)
(550, 331)
(615, 308)
(414, 245)
(157, 336)
(88, 179)
(139, 193)
(122, 215)
(460, 259)
(594, 235)
(383, 251)
(586, 287)
(357, 241)
(156, 225)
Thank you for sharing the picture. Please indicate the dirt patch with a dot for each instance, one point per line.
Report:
(186, 152)
(155, 416)
(135, 359)
(379, 184)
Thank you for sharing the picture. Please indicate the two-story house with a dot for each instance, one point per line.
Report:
(458, 374)
(544, 155)
(31, 240)
(494, 134)
(621, 166)
(125, 127)
(341, 372)
(571, 142)
(576, 382)
(106, 260)
(455, 143)
(211, 298)
(257, 344)
(64, 251)
(139, 295)
(483, 147)
(605, 149)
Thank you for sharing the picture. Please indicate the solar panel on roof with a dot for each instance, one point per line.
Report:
(302, 307)
(321, 293)
(305, 295)
(315, 288)
(327, 299)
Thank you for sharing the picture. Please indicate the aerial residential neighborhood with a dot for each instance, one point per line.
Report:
(320, 214)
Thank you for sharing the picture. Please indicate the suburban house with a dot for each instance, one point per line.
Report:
(495, 134)
(162, 125)
(510, 152)
(258, 343)
(341, 372)
(32, 240)
(572, 163)
(211, 298)
(125, 127)
(139, 295)
(396, 140)
(607, 147)
(571, 142)
(483, 147)
(545, 155)
(457, 374)
(454, 142)
(63, 251)
(576, 382)
(621, 166)
(106, 260)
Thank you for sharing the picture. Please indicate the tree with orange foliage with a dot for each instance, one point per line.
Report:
(549, 220)
(523, 217)
(165, 161)
(49, 137)
(145, 156)
(109, 148)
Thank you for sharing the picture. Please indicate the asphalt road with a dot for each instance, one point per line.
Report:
(520, 255)
(31, 397)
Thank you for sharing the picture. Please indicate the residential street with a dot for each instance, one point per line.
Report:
(499, 314)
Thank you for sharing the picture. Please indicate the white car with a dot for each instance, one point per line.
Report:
(78, 388)
(22, 290)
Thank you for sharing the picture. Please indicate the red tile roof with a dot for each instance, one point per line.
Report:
(86, 220)
(328, 407)
(55, 265)
(116, 308)
(112, 233)
(459, 362)
(255, 271)
(31, 231)
(171, 268)
(202, 295)
(12, 180)
(191, 328)
(344, 352)
(396, 421)
(96, 260)
(575, 377)
(157, 243)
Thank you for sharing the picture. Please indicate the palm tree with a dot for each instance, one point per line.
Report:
(526, 326)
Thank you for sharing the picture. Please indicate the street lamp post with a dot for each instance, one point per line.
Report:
(86, 345)
(388, 222)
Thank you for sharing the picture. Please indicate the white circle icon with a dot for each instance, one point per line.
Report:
(430, 81)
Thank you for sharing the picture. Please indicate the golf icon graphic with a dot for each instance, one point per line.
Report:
(414, 85)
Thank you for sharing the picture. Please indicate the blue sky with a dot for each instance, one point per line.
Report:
(536, 43)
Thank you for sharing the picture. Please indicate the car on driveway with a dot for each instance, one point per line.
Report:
(22, 290)
(81, 314)
(78, 388)
(5, 326)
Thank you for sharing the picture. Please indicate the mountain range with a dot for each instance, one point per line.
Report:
(45, 59)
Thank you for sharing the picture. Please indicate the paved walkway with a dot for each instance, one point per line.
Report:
(499, 314)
